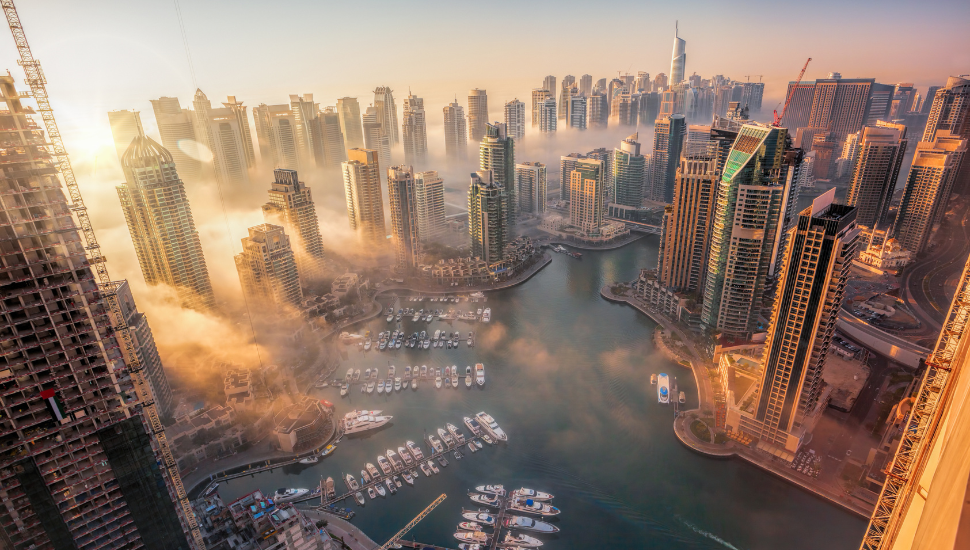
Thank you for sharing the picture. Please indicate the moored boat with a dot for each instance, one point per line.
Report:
(479, 373)
(522, 540)
(491, 427)
(359, 498)
(392, 456)
(384, 464)
(287, 495)
(663, 388)
(351, 482)
(472, 536)
(372, 470)
(330, 489)
(407, 478)
(531, 506)
(456, 433)
(483, 518)
(491, 489)
(533, 494)
(485, 500)
(529, 524)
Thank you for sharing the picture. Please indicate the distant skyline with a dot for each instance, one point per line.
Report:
(118, 55)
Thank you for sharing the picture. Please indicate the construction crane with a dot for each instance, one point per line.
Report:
(748, 76)
(791, 93)
(108, 289)
(417, 519)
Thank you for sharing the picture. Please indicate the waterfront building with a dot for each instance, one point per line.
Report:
(429, 191)
(950, 112)
(497, 155)
(515, 119)
(374, 136)
(547, 116)
(678, 59)
(275, 134)
(628, 173)
(456, 138)
(567, 164)
(530, 187)
(587, 190)
(329, 149)
(488, 227)
(879, 156)
(77, 456)
(402, 195)
(668, 139)
(566, 88)
(477, 114)
(348, 109)
(790, 398)
(415, 131)
(365, 201)
(125, 127)
(386, 111)
(539, 96)
(161, 224)
(577, 111)
(687, 220)
(291, 206)
(749, 210)
(931, 178)
(267, 270)
(176, 126)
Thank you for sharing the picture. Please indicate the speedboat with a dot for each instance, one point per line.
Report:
(433, 467)
(468, 377)
(487, 315)
(391, 371)
(487, 439)
(471, 341)
(390, 486)
(371, 493)
(343, 389)
(437, 382)
(530, 506)
(491, 489)
(443, 461)
(356, 375)
(286, 495)
(367, 374)
(472, 537)
(454, 377)
(397, 481)
(458, 455)
(414, 384)
(470, 526)
(310, 460)
(653, 378)
(372, 470)
(425, 470)
(404, 385)
(370, 387)
(380, 386)
(472, 448)
(522, 540)
(405, 456)
(407, 372)
(485, 500)
(416, 451)
(407, 478)
(424, 371)
(350, 375)
(397, 384)
(479, 312)
(327, 450)
(529, 524)
(427, 344)
(437, 334)
(533, 494)
(472, 425)
(682, 398)
(477, 443)
(380, 490)
(384, 464)
(663, 388)
(351, 482)
(481, 517)
(394, 460)
(491, 427)
(390, 317)
(331, 491)
(456, 433)
(359, 498)
(480, 374)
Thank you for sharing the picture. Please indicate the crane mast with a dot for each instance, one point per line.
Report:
(791, 94)
(417, 519)
(38, 89)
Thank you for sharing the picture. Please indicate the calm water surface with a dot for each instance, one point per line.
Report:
(568, 378)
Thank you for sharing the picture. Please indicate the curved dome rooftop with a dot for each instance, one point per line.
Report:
(144, 151)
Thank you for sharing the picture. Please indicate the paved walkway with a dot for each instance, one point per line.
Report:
(556, 239)
(342, 529)
(542, 262)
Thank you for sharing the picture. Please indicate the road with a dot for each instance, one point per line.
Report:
(925, 280)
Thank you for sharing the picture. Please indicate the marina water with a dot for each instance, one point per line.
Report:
(568, 378)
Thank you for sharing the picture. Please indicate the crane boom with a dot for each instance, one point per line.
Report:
(417, 519)
(38, 89)
(791, 93)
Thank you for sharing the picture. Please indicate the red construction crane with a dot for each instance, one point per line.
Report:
(791, 92)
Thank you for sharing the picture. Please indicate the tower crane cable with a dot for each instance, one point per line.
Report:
(185, 42)
(417, 519)
(96, 261)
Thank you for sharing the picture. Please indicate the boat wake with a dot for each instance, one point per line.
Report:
(711, 536)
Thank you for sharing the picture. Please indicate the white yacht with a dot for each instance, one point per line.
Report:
(529, 524)
(491, 427)
(521, 540)
(531, 506)
(286, 495)
(454, 376)
(533, 494)
(487, 315)
(468, 377)
(480, 374)
(663, 388)
(362, 421)
(416, 451)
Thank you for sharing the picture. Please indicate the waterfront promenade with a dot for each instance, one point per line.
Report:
(354, 538)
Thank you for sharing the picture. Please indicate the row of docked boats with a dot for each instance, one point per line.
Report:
(372, 380)
(473, 532)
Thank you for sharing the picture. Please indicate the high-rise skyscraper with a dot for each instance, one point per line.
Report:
(624, 107)
(567, 164)
(387, 115)
(530, 187)
(879, 156)
(931, 178)
(488, 217)
(237, 111)
(403, 198)
(669, 133)
(222, 132)
(598, 109)
(587, 192)
(267, 270)
(177, 128)
(329, 149)
(477, 114)
(642, 82)
(749, 207)
(276, 136)
(456, 138)
(365, 201)
(577, 111)
(291, 206)
(349, 111)
(950, 111)
(429, 192)
(161, 224)
(549, 83)
(374, 136)
(515, 119)
(78, 466)
(304, 113)
(415, 131)
(586, 84)
(678, 59)
(660, 83)
(539, 96)
(565, 91)
(687, 224)
(547, 116)
(497, 155)
(629, 173)
(125, 127)
(803, 320)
